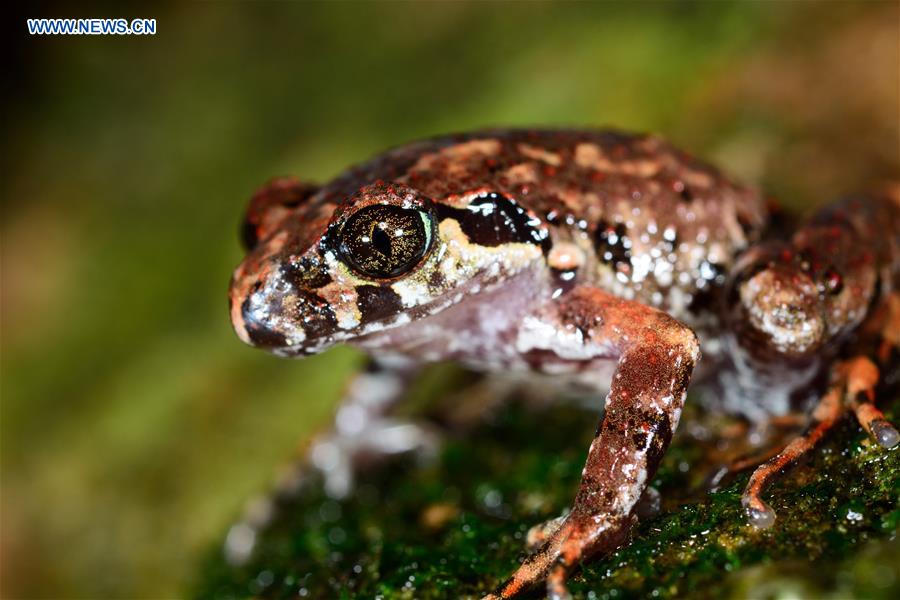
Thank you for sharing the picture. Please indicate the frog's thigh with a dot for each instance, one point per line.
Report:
(656, 356)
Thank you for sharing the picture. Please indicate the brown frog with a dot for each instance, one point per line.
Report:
(598, 257)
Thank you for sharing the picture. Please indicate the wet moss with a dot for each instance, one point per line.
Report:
(455, 527)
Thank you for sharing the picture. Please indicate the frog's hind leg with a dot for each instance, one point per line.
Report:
(852, 388)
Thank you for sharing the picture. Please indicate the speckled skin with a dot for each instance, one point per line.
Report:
(594, 256)
(634, 216)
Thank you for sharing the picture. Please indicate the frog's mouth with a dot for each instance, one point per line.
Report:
(293, 323)
(381, 321)
(279, 317)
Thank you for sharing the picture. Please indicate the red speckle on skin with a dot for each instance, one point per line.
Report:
(550, 171)
(787, 255)
(598, 176)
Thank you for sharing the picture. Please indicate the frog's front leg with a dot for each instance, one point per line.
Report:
(656, 355)
(365, 430)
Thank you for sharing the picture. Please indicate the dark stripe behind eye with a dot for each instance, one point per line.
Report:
(494, 220)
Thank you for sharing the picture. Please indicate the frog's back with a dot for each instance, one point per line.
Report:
(654, 223)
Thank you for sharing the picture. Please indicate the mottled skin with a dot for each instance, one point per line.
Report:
(592, 256)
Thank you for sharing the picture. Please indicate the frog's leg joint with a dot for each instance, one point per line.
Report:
(656, 356)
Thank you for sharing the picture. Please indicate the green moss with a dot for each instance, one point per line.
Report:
(455, 527)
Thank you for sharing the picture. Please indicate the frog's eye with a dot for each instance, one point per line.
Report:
(382, 241)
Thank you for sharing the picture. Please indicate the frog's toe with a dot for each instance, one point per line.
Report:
(824, 416)
(862, 375)
(885, 434)
(879, 429)
(759, 513)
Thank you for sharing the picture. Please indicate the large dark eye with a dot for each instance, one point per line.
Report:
(383, 241)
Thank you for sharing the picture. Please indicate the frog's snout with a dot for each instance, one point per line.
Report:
(272, 312)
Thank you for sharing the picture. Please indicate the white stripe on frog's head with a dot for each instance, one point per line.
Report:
(387, 256)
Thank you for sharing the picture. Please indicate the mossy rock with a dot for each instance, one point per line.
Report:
(454, 527)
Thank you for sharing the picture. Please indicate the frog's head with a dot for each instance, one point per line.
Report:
(784, 305)
(322, 269)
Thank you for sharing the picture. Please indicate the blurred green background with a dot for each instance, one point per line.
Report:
(134, 424)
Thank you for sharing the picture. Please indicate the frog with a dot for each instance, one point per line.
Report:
(598, 258)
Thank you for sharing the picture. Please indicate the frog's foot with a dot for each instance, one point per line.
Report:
(577, 537)
(853, 388)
